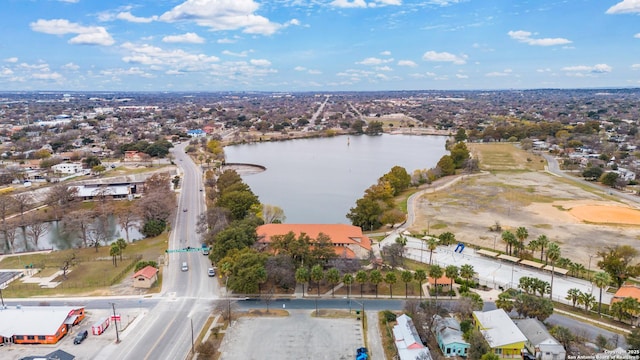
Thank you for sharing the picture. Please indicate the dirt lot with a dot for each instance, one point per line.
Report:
(581, 220)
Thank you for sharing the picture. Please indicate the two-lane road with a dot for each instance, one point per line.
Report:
(185, 302)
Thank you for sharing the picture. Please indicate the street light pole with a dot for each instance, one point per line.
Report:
(192, 347)
(589, 268)
(115, 322)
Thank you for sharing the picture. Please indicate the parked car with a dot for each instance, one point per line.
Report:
(80, 337)
(211, 272)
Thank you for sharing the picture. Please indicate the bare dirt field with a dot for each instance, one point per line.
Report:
(582, 221)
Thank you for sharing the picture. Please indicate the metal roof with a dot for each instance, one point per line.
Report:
(33, 320)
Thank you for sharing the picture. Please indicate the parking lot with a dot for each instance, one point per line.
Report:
(298, 336)
(88, 349)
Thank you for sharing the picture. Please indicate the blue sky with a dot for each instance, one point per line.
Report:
(318, 45)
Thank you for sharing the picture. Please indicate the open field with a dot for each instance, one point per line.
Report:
(514, 193)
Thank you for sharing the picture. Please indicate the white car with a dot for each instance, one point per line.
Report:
(211, 272)
(185, 267)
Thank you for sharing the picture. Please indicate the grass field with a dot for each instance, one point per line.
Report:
(505, 156)
(91, 273)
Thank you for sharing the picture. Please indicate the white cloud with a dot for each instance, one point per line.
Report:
(128, 16)
(595, 69)
(6, 72)
(462, 76)
(300, 68)
(240, 54)
(444, 57)
(386, 53)
(71, 66)
(635, 66)
(47, 76)
(135, 71)
(445, 2)
(86, 35)
(349, 4)
(222, 15)
(159, 58)
(374, 61)
(383, 68)
(260, 62)
(11, 60)
(226, 41)
(189, 37)
(70, 1)
(525, 37)
(505, 72)
(625, 7)
(637, 36)
(408, 63)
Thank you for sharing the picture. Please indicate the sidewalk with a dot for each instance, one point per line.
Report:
(592, 321)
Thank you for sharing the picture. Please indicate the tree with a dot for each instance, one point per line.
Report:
(113, 252)
(272, 214)
(609, 178)
(432, 244)
(447, 238)
(521, 234)
(36, 229)
(573, 295)
(633, 339)
(348, 279)
(127, 217)
(238, 202)
(446, 165)
(601, 280)
(587, 300)
(317, 274)
(245, 269)
(467, 272)
(532, 306)
(121, 245)
(617, 262)
(366, 213)
(435, 273)
(333, 278)
(390, 278)
(459, 154)
(361, 278)
(479, 345)
(553, 253)
(505, 301)
(398, 178)
(420, 275)
(563, 335)
(451, 272)
(406, 277)
(375, 277)
(592, 173)
(542, 241)
(302, 277)
(510, 239)
(59, 196)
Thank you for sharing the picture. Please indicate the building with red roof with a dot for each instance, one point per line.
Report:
(348, 240)
(145, 277)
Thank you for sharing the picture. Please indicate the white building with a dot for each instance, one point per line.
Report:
(539, 342)
(407, 341)
(67, 168)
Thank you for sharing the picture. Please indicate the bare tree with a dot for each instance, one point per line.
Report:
(9, 232)
(79, 222)
(36, 229)
(127, 217)
(23, 203)
(272, 214)
(7, 204)
(98, 233)
(59, 197)
(67, 264)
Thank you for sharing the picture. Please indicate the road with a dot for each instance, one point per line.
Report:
(185, 300)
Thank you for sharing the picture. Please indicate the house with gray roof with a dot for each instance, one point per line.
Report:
(449, 336)
(539, 342)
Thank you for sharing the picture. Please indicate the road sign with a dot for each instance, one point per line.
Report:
(187, 249)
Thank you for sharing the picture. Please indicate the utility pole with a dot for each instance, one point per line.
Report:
(115, 322)
(193, 352)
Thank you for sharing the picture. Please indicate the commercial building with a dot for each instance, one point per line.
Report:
(37, 324)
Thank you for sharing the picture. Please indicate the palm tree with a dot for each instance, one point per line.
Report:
(435, 273)
(317, 274)
(467, 272)
(375, 277)
(601, 279)
(420, 275)
(361, 278)
(575, 269)
(451, 272)
(390, 279)
(573, 295)
(113, 252)
(587, 300)
(333, 277)
(553, 254)
(542, 241)
(347, 279)
(521, 234)
(432, 244)
(533, 246)
(509, 238)
(122, 244)
(406, 277)
(302, 277)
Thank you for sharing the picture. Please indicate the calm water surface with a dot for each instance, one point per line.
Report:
(319, 180)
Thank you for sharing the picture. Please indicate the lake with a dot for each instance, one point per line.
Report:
(318, 180)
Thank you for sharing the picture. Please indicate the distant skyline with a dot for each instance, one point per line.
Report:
(318, 45)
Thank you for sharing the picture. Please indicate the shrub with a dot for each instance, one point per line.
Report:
(153, 228)
(389, 316)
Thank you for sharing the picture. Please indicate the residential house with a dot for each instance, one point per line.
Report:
(503, 336)
(145, 278)
(443, 282)
(408, 341)
(539, 342)
(449, 336)
(196, 133)
(348, 241)
(625, 291)
(67, 168)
